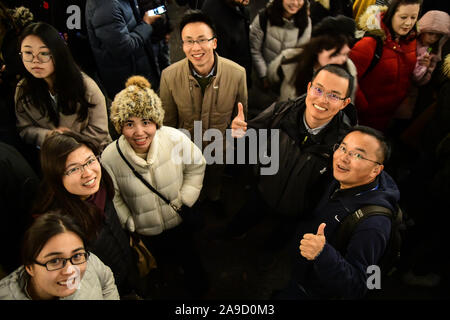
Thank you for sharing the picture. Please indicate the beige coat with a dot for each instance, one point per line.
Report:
(183, 102)
(138, 208)
(33, 126)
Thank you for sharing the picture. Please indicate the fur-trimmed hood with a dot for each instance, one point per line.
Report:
(437, 22)
(371, 21)
(446, 66)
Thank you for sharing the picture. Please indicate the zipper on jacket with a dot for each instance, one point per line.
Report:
(216, 92)
(191, 90)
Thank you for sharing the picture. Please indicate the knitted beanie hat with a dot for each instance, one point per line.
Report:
(136, 100)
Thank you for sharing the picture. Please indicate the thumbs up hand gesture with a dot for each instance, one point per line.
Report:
(239, 126)
(312, 244)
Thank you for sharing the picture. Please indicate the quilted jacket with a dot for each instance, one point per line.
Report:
(381, 90)
(276, 40)
(138, 208)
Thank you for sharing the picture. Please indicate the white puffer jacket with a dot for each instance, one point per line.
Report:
(180, 181)
(277, 39)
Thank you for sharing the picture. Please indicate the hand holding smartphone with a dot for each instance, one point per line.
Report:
(157, 11)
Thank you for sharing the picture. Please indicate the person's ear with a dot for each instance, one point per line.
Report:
(345, 102)
(309, 86)
(30, 270)
(377, 170)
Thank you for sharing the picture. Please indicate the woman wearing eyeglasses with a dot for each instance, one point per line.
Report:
(75, 182)
(54, 94)
(56, 265)
(149, 155)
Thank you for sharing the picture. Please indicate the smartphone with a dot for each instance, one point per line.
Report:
(156, 11)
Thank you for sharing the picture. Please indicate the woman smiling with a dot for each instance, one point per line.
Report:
(58, 266)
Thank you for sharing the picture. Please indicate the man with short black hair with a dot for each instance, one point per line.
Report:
(232, 20)
(322, 270)
(203, 87)
(308, 128)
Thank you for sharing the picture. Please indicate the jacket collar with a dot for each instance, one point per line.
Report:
(356, 191)
(294, 126)
(130, 154)
(214, 72)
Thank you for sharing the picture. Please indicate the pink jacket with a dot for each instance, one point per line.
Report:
(437, 22)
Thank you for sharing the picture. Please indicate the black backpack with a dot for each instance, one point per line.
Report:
(377, 54)
(391, 256)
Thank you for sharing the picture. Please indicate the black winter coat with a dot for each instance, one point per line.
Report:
(304, 159)
(18, 186)
(121, 43)
(112, 246)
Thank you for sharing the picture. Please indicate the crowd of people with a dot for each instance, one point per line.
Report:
(353, 108)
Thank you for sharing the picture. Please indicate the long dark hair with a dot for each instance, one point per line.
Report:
(54, 152)
(275, 14)
(43, 229)
(393, 6)
(307, 59)
(68, 84)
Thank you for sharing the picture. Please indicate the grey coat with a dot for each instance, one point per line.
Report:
(276, 40)
(97, 284)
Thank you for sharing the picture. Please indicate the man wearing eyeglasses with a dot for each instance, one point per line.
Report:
(308, 128)
(202, 87)
(324, 268)
(232, 20)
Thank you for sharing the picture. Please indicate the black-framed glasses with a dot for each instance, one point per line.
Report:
(42, 57)
(201, 42)
(330, 96)
(353, 154)
(79, 169)
(59, 263)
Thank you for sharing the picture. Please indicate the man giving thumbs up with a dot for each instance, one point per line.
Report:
(323, 269)
(312, 244)
(239, 126)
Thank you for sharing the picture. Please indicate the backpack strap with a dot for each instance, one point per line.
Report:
(376, 55)
(145, 182)
(348, 226)
(281, 108)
